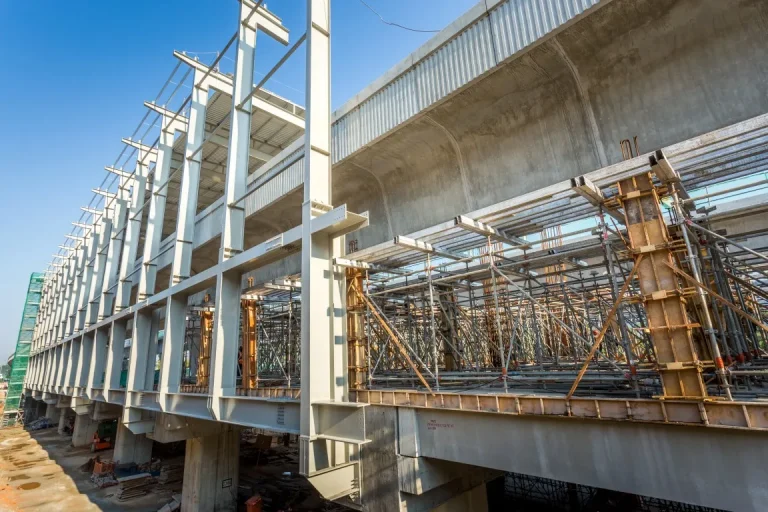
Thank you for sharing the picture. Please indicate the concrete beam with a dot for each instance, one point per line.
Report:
(721, 469)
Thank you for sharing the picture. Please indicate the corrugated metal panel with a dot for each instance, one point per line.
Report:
(454, 64)
(264, 191)
(380, 113)
(518, 23)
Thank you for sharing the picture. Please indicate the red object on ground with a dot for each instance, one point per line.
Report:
(253, 504)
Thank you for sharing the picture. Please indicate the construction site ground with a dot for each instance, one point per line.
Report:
(39, 471)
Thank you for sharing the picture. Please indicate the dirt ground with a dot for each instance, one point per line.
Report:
(39, 472)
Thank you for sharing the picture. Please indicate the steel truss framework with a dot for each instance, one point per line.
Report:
(610, 296)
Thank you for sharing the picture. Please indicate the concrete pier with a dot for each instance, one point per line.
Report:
(130, 447)
(211, 472)
(85, 427)
(53, 413)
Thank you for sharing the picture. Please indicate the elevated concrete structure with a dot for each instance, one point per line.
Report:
(491, 119)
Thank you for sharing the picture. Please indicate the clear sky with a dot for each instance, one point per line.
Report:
(75, 73)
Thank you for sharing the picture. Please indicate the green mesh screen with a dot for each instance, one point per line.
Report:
(21, 358)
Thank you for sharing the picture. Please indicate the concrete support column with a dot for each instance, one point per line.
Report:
(130, 447)
(85, 427)
(53, 413)
(41, 409)
(30, 409)
(211, 471)
(473, 500)
(65, 417)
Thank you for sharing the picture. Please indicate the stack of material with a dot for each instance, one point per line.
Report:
(100, 467)
(134, 486)
(102, 475)
(170, 475)
(102, 480)
(153, 466)
(39, 424)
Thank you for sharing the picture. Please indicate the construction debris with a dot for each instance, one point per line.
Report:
(102, 480)
(134, 486)
(171, 506)
(40, 424)
(170, 475)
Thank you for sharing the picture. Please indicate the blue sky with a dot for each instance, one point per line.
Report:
(75, 74)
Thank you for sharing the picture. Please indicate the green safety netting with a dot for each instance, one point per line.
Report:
(21, 356)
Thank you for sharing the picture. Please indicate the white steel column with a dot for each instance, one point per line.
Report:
(73, 355)
(115, 246)
(137, 368)
(176, 307)
(154, 231)
(53, 376)
(190, 182)
(239, 141)
(227, 313)
(68, 292)
(146, 155)
(80, 254)
(98, 360)
(92, 247)
(50, 309)
(84, 363)
(114, 358)
(56, 333)
(104, 230)
(173, 345)
(61, 377)
(323, 372)
(240, 129)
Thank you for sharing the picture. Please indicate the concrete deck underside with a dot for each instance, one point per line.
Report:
(661, 70)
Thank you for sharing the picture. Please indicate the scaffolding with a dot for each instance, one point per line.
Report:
(620, 284)
(13, 401)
